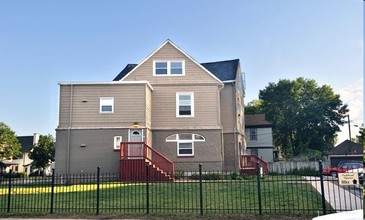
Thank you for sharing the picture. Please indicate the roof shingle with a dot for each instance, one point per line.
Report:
(347, 147)
(26, 142)
(223, 70)
(256, 120)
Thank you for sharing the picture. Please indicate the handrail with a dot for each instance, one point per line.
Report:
(140, 150)
(250, 161)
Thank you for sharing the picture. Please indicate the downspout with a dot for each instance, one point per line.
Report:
(220, 124)
(68, 161)
(235, 125)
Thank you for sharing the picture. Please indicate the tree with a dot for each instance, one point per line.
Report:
(9, 144)
(361, 137)
(43, 152)
(305, 116)
(254, 107)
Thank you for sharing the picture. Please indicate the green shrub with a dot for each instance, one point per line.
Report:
(179, 174)
(207, 176)
(13, 175)
(304, 171)
(235, 176)
(22, 174)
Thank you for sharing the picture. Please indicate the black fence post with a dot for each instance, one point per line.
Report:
(97, 190)
(322, 188)
(147, 189)
(9, 189)
(259, 186)
(52, 190)
(201, 189)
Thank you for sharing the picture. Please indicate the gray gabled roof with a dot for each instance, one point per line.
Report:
(347, 148)
(256, 121)
(223, 70)
(125, 71)
(26, 142)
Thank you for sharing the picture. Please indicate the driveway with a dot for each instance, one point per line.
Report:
(341, 198)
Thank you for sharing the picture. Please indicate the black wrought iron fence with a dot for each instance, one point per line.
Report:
(190, 193)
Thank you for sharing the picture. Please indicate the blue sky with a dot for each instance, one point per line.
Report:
(45, 42)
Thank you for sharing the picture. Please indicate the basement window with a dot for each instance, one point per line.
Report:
(185, 142)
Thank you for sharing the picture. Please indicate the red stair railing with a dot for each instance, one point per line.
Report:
(248, 162)
(140, 150)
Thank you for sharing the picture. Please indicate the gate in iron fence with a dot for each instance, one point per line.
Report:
(190, 192)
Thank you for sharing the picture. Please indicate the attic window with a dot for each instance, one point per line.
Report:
(168, 68)
(176, 68)
(161, 68)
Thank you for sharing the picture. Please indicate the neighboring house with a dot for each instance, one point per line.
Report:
(345, 151)
(22, 163)
(189, 112)
(259, 137)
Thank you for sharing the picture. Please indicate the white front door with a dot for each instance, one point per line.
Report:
(135, 150)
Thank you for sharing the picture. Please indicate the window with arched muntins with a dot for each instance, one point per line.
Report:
(185, 142)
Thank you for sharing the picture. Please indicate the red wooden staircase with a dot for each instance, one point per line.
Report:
(249, 165)
(137, 157)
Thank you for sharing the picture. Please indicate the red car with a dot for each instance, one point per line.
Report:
(341, 169)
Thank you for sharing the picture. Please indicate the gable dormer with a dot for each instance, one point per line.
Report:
(168, 64)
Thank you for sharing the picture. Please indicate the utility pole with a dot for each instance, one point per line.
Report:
(348, 121)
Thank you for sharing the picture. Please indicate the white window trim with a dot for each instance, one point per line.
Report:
(115, 142)
(182, 142)
(101, 104)
(191, 104)
(192, 141)
(169, 67)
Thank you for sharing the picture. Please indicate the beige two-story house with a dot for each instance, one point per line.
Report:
(167, 109)
(22, 163)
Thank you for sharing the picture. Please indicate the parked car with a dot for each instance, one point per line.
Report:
(360, 171)
(348, 161)
(333, 171)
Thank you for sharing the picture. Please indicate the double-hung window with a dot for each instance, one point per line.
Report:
(176, 68)
(185, 104)
(253, 134)
(168, 68)
(106, 105)
(117, 141)
(160, 68)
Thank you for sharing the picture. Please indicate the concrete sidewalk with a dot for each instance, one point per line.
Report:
(339, 197)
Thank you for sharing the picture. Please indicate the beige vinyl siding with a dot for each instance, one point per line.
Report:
(240, 111)
(193, 72)
(129, 105)
(148, 107)
(227, 107)
(64, 112)
(206, 108)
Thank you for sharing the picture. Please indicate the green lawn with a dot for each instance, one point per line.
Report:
(279, 197)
